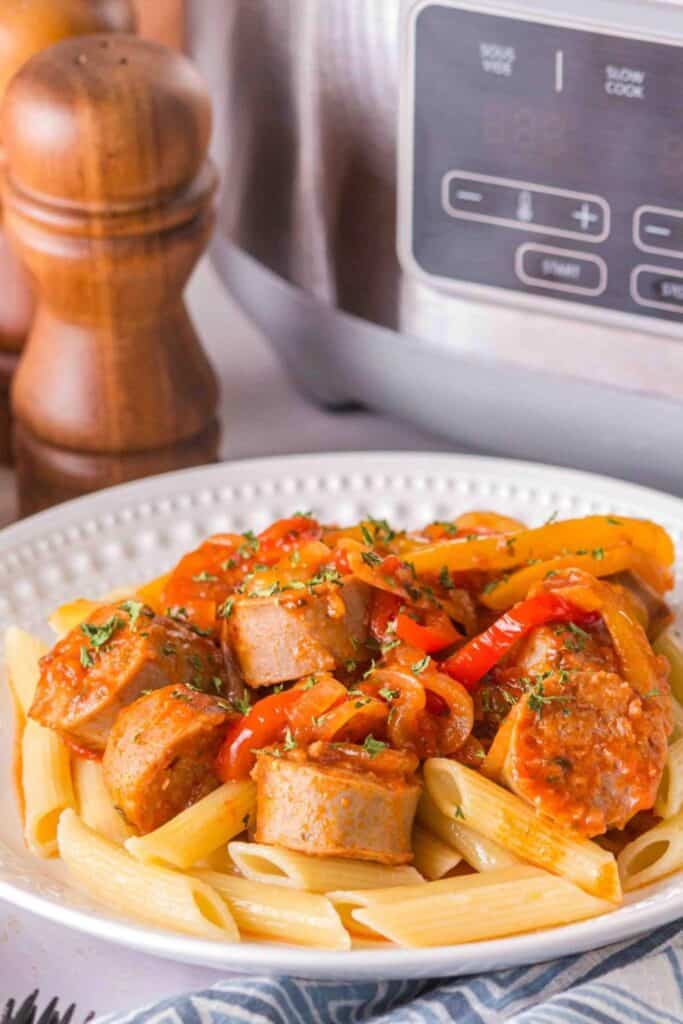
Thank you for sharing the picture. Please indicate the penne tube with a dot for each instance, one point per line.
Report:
(670, 793)
(23, 653)
(510, 821)
(431, 856)
(157, 895)
(476, 907)
(199, 830)
(481, 853)
(46, 785)
(278, 866)
(658, 852)
(273, 912)
(94, 804)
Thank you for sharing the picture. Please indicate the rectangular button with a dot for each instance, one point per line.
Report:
(525, 206)
(658, 229)
(658, 287)
(561, 270)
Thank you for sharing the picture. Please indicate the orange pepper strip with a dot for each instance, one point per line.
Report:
(150, 593)
(358, 717)
(507, 551)
(263, 725)
(315, 700)
(600, 562)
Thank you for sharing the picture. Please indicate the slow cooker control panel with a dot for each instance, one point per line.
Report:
(548, 160)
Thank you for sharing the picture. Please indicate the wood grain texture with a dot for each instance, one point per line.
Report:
(27, 27)
(109, 197)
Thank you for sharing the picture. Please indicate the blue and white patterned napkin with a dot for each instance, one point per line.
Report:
(636, 982)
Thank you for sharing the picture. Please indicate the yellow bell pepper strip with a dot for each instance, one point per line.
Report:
(503, 593)
(150, 593)
(507, 551)
(472, 661)
(482, 523)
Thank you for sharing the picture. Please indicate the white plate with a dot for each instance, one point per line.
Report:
(134, 532)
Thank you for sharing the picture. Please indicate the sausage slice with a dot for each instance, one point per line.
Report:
(334, 809)
(105, 663)
(161, 751)
(582, 744)
(287, 636)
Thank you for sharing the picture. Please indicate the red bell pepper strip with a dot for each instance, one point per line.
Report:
(433, 635)
(469, 664)
(260, 727)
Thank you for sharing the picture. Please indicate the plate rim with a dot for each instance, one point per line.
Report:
(634, 918)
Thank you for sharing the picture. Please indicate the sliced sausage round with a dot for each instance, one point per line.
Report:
(329, 809)
(161, 752)
(109, 660)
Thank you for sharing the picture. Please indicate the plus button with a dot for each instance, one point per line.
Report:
(585, 216)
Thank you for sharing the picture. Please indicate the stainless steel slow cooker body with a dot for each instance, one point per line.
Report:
(352, 136)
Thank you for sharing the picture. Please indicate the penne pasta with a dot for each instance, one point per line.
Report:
(655, 854)
(278, 866)
(508, 820)
(476, 907)
(94, 804)
(23, 652)
(158, 895)
(273, 912)
(47, 787)
(432, 857)
(200, 829)
(481, 853)
(670, 794)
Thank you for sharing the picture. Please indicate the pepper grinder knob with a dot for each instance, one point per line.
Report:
(108, 195)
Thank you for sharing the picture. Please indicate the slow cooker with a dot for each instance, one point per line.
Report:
(467, 213)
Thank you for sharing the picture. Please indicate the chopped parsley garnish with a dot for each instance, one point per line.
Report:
(217, 683)
(551, 518)
(373, 747)
(420, 665)
(177, 612)
(310, 683)
(134, 609)
(295, 557)
(390, 645)
(370, 558)
(241, 704)
(598, 554)
(491, 586)
(329, 575)
(537, 698)
(368, 672)
(225, 610)
(614, 522)
(550, 573)
(445, 578)
(651, 693)
(577, 631)
(204, 577)
(101, 635)
(290, 742)
(87, 660)
(229, 563)
(246, 819)
(366, 535)
(350, 665)
(562, 762)
(459, 813)
(388, 694)
(250, 546)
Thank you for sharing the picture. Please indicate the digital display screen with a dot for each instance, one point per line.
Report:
(548, 160)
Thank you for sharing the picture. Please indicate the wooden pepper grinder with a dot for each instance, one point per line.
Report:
(27, 26)
(108, 196)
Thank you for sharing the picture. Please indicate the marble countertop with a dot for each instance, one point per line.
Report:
(262, 414)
